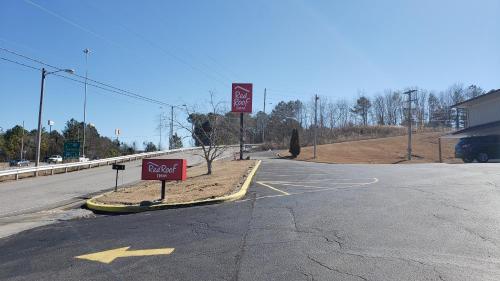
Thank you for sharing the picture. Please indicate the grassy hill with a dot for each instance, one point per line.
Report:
(388, 150)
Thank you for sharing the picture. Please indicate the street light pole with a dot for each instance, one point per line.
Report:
(22, 144)
(170, 145)
(161, 124)
(315, 124)
(40, 109)
(265, 117)
(86, 52)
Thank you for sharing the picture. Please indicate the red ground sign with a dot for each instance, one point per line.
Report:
(242, 97)
(164, 169)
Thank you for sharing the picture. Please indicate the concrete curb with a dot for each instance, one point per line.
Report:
(95, 206)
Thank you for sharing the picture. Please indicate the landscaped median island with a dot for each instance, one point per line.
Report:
(229, 181)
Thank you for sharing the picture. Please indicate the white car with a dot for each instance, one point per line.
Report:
(55, 159)
(83, 159)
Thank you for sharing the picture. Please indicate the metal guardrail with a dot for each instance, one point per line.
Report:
(89, 164)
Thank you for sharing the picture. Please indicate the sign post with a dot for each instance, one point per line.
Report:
(242, 103)
(117, 167)
(164, 170)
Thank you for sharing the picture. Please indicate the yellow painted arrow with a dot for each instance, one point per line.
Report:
(110, 255)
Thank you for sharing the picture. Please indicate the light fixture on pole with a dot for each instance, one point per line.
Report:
(45, 73)
(86, 52)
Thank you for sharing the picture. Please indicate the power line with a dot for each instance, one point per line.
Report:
(130, 94)
(70, 22)
(96, 84)
(170, 53)
(74, 24)
(20, 63)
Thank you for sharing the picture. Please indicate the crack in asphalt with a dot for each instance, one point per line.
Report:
(309, 276)
(466, 229)
(335, 269)
(203, 228)
(337, 240)
(244, 240)
(407, 260)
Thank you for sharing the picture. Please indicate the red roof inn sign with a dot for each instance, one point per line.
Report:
(164, 169)
(242, 97)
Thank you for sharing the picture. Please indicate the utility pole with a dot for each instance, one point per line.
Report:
(22, 143)
(40, 109)
(315, 124)
(86, 52)
(161, 124)
(265, 117)
(170, 144)
(409, 120)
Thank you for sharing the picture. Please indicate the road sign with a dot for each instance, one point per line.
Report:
(241, 97)
(71, 149)
(110, 255)
(118, 167)
(164, 169)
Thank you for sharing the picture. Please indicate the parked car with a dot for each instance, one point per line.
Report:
(19, 163)
(481, 148)
(55, 159)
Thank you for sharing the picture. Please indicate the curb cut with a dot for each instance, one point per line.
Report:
(105, 208)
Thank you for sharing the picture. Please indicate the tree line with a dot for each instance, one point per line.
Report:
(378, 115)
(19, 143)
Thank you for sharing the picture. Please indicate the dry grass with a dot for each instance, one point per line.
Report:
(227, 177)
(384, 150)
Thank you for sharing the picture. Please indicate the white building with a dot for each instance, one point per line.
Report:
(483, 115)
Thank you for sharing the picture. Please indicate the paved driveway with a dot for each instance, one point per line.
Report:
(300, 221)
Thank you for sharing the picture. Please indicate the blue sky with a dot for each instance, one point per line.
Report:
(177, 51)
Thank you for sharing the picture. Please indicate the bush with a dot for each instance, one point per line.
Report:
(294, 143)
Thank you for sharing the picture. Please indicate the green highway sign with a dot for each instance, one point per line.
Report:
(71, 149)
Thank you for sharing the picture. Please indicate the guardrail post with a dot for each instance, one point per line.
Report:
(65, 169)
(52, 172)
(17, 176)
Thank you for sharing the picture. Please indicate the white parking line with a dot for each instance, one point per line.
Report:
(273, 188)
(317, 189)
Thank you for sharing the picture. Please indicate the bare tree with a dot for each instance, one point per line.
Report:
(343, 112)
(394, 106)
(420, 107)
(380, 109)
(213, 131)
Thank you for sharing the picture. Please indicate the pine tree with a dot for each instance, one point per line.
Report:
(294, 143)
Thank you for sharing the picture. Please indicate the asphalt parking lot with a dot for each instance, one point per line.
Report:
(299, 221)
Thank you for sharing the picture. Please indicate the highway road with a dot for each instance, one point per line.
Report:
(299, 221)
(34, 194)
(32, 202)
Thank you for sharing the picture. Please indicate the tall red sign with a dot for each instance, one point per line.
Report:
(242, 97)
(164, 169)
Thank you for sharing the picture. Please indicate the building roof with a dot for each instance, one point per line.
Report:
(492, 128)
(493, 94)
